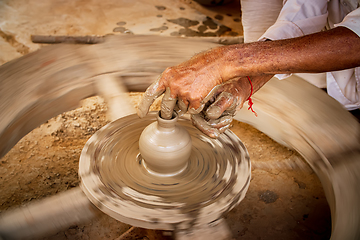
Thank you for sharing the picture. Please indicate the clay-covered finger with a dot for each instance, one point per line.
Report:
(167, 105)
(220, 122)
(151, 93)
(181, 108)
(225, 101)
(197, 110)
(209, 96)
(204, 127)
(224, 128)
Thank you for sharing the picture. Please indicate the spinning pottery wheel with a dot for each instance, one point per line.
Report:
(117, 180)
(292, 112)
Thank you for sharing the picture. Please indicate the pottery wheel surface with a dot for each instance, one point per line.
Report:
(115, 180)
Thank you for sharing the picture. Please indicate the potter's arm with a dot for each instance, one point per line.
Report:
(190, 84)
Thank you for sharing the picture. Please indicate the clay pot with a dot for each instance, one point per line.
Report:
(165, 147)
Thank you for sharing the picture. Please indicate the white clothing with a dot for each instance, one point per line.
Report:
(301, 17)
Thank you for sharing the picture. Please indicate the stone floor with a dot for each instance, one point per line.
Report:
(280, 204)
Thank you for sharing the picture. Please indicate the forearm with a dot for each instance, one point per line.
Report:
(332, 50)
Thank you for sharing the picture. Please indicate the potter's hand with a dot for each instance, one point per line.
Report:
(188, 84)
(225, 100)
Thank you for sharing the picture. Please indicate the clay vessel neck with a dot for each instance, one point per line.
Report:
(166, 125)
(165, 147)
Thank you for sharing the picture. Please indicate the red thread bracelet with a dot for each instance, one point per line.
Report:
(249, 99)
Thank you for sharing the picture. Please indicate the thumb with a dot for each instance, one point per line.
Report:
(225, 101)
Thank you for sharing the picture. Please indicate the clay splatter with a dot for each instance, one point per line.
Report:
(121, 23)
(233, 34)
(219, 17)
(159, 16)
(202, 28)
(161, 8)
(162, 28)
(119, 29)
(182, 8)
(237, 20)
(210, 23)
(223, 30)
(184, 22)
(191, 33)
(122, 30)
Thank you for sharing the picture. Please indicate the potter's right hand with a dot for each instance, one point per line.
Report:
(226, 100)
(188, 84)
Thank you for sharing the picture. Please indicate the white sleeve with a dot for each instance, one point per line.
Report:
(298, 18)
(352, 21)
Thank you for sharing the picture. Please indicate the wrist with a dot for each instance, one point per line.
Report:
(243, 89)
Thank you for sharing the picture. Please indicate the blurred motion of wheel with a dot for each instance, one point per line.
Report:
(54, 79)
(213, 2)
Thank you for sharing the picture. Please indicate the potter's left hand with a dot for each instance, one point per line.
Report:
(187, 85)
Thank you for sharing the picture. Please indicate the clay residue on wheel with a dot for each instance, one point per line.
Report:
(215, 180)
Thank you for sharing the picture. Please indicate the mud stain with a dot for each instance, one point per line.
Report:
(122, 30)
(219, 17)
(119, 29)
(161, 8)
(121, 23)
(206, 29)
(202, 28)
(162, 28)
(184, 22)
(210, 23)
(20, 48)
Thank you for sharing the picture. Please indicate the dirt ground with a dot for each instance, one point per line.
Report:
(282, 202)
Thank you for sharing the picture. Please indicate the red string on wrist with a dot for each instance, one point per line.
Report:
(249, 99)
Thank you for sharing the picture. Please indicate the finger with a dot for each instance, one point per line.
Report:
(167, 105)
(231, 111)
(225, 101)
(181, 108)
(197, 110)
(204, 127)
(224, 128)
(151, 93)
(209, 96)
(221, 122)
